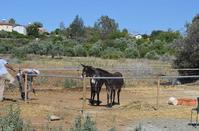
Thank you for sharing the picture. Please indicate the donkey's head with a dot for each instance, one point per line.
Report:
(88, 71)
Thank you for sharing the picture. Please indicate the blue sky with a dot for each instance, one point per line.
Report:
(141, 16)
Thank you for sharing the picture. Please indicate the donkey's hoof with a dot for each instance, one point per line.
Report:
(109, 106)
(98, 103)
(92, 102)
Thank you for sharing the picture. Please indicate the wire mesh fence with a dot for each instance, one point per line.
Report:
(75, 98)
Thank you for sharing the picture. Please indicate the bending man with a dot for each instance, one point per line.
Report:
(5, 75)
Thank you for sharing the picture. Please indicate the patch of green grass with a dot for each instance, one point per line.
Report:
(41, 80)
(12, 120)
(70, 83)
(84, 124)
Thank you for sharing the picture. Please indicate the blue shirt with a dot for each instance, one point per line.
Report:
(3, 69)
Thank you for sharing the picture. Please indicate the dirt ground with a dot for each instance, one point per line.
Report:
(137, 104)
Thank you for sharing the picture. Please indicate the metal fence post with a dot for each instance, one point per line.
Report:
(158, 92)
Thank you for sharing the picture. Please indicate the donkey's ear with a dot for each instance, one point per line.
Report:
(83, 65)
(92, 67)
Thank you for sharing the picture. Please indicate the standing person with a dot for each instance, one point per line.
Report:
(21, 79)
(5, 75)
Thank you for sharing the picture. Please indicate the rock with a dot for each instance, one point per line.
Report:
(54, 118)
(172, 101)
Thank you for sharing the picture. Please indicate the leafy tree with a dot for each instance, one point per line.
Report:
(131, 53)
(56, 32)
(117, 34)
(62, 26)
(92, 35)
(56, 49)
(167, 36)
(76, 28)
(125, 31)
(6, 47)
(38, 24)
(112, 53)
(106, 26)
(120, 43)
(79, 50)
(68, 51)
(12, 21)
(19, 52)
(95, 50)
(33, 29)
(144, 48)
(158, 46)
(152, 55)
(33, 47)
(187, 49)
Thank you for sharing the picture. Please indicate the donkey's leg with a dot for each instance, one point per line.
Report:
(98, 102)
(93, 98)
(118, 97)
(113, 97)
(92, 94)
(98, 91)
(109, 100)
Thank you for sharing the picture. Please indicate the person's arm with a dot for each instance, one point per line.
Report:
(10, 67)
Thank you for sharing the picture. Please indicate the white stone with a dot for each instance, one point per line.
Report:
(54, 118)
(172, 101)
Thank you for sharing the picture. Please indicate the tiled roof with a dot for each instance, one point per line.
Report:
(14, 25)
(4, 23)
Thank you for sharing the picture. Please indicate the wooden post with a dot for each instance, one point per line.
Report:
(158, 91)
(84, 95)
(25, 86)
(78, 74)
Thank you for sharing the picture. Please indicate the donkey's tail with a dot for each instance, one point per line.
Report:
(124, 85)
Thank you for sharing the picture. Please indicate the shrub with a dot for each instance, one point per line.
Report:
(70, 83)
(41, 80)
(111, 53)
(166, 58)
(57, 49)
(95, 50)
(19, 53)
(68, 51)
(160, 47)
(143, 49)
(12, 120)
(121, 43)
(87, 125)
(6, 48)
(132, 53)
(79, 50)
(152, 55)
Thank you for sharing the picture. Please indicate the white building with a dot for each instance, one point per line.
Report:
(5, 26)
(20, 29)
(136, 36)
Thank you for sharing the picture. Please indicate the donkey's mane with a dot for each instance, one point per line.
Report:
(104, 71)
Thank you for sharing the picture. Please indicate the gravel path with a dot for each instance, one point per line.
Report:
(163, 125)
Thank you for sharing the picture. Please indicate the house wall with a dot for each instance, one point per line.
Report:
(6, 28)
(20, 29)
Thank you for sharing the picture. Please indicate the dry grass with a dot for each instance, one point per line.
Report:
(138, 99)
